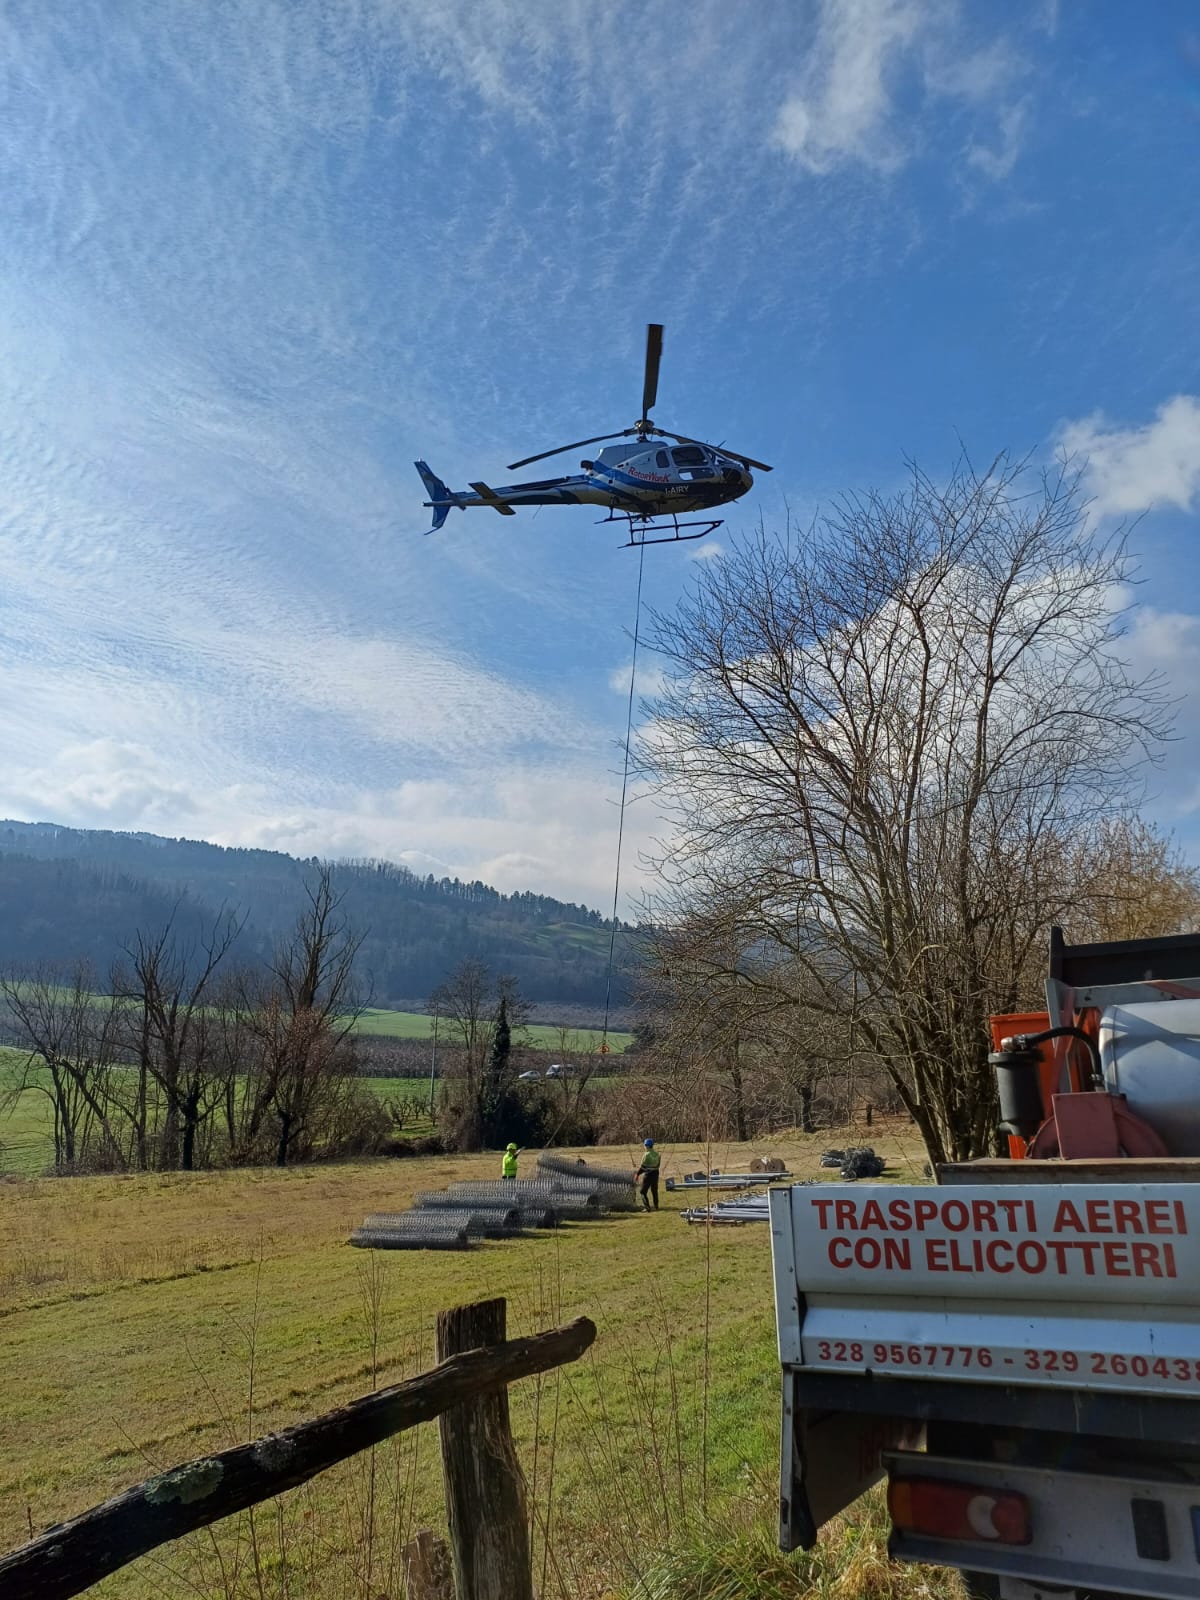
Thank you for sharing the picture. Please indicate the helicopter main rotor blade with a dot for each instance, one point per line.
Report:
(654, 347)
(578, 445)
(722, 449)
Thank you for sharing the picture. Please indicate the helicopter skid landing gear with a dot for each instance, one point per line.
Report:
(641, 529)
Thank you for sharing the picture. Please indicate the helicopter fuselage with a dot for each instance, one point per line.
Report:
(652, 473)
(646, 479)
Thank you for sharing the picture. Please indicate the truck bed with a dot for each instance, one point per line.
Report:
(1128, 1169)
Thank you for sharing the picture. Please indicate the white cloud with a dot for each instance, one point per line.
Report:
(650, 678)
(103, 783)
(552, 828)
(1168, 643)
(844, 107)
(710, 550)
(1127, 470)
(871, 65)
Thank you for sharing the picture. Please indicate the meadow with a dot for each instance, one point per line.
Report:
(542, 1036)
(149, 1319)
(27, 1126)
(26, 1122)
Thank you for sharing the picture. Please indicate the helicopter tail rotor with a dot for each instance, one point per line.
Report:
(440, 498)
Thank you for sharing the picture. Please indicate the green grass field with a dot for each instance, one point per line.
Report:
(416, 1025)
(148, 1320)
(27, 1128)
(376, 1022)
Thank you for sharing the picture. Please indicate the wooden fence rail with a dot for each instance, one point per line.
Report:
(72, 1556)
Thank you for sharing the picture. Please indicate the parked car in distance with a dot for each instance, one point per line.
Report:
(555, 1071)
(529, 1077)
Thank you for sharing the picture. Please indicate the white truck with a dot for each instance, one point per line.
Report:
(1017, 1350)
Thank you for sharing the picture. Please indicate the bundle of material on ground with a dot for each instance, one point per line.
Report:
(616, 1189)
(573, 1202)
(485, 1222)
(534, 1213)
(414, 1235)
(577, 1167)
(754, 1208)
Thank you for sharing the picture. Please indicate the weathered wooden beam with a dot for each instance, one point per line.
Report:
(485, 1493)
(72, 1556)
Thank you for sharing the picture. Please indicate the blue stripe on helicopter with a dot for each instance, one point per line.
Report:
(603, 469)
(702, 489)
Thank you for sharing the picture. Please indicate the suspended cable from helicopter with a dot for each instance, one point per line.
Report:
(612, 938)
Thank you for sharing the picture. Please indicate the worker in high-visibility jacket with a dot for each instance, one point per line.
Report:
(508, 1164)
(648, 1173)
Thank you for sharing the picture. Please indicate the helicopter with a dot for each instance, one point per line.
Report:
(639, 482)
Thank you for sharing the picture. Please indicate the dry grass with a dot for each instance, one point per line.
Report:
(147, 1320)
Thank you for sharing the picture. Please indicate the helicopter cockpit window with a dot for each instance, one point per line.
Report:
(660, 459)
(688, 455)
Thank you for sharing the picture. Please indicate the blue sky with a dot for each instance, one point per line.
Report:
(257, 257)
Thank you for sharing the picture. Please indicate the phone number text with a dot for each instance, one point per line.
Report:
(1050, 1363)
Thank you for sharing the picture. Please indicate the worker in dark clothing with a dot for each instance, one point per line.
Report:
(648, 1173)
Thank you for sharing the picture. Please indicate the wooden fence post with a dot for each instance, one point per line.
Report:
(427, 1568)
(485, 1497)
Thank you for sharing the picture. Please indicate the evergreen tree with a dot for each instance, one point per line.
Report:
(496, 1082)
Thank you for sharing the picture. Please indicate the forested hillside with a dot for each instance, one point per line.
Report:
(67, 892)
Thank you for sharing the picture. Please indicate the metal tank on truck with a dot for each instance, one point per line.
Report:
(1017, 1350)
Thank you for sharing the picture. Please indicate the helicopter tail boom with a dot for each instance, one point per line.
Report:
(440, 498)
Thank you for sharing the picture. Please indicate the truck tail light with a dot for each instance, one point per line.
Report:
(949, 1510)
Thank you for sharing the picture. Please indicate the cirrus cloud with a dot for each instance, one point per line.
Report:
(871, 66)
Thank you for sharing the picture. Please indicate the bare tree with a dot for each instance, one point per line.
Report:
(708, 1018)
(737, 1015)
(304, 1019)
(166, 989)
(1135, 884)
(879, 743)
(69, 1031)
(581, 1060)
(469, 1002)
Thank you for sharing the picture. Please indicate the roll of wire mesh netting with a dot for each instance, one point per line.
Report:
(534, 1213)
(485, 1222)
(577, 1167)
(574, 1202)
(451, 1237)
(614, 1188)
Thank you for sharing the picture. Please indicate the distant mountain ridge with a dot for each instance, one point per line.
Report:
(70, 892)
